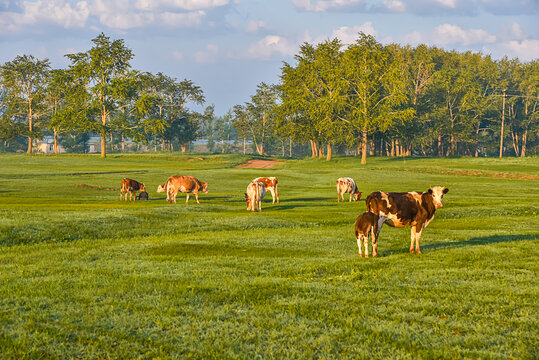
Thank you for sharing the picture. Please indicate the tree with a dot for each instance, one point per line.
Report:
(376, 88)
(25, 81)
(261, 115)
(103, 72)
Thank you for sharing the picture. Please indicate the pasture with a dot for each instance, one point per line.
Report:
(85, 275)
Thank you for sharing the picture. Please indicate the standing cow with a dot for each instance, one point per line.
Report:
(254, 195)
(367, 223)
(184, 184)
(270, 183)
(130, 187)
(347, 185)
(412, 209)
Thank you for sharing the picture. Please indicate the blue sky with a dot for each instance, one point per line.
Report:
(228, 47)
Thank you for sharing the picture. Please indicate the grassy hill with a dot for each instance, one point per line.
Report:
(85, 275)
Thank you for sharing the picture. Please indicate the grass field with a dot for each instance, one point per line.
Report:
(84, 275)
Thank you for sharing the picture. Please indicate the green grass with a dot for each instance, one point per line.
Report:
(84, 275)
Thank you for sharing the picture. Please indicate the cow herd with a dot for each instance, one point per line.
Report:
(414, 209)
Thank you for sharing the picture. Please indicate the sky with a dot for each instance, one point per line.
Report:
(228, 47)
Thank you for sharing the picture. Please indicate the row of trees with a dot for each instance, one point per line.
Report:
(365, 98)
(397, 100)
(99, 93)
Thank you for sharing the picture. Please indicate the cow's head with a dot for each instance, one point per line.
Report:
(437, 193)
(161, 188)
(357, 195)
(142, 187)
(205, 187)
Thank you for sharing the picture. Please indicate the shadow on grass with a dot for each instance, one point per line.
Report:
(486, 240)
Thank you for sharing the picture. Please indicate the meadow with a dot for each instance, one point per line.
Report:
(85, 275)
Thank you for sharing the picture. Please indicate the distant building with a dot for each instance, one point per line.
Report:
(46, 145)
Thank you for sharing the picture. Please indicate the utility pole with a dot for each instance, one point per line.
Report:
(503, 119)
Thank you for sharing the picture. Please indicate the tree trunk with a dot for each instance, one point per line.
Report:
(503, 120)
(514, 137)
(372, 147)
(314, 150)
(183, 147)
(440, 146)
(328, 157)
(320, 150)
(164, 145)
(290, 147)
(123, 142)
(31, 128)
(103, 144)
(363, 147)
(56, 151)
(244, 145)
(524, 138)
(392, 148)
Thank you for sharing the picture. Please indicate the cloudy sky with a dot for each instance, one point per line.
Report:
(228, 47)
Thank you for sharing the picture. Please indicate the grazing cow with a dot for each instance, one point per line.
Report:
(130, 187)
(183, 183)
(347, 185)
(412, 209)
(143, 196)
(270, 183)
(367, 223)
(254, 195)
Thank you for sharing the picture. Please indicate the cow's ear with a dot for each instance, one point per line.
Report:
(430, 191)
(446, 190)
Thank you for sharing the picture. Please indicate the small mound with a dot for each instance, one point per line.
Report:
(260, 164)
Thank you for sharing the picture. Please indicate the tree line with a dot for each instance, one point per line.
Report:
(393, 100)
(362, 99)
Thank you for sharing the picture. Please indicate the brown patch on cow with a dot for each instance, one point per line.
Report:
(260, 164)
(98, 187)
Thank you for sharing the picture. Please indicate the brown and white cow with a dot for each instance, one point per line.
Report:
(347, 185)
(184, 184)
(367, 223)
(130, 187)
(254, 195)
(412, 209)
(270, 183)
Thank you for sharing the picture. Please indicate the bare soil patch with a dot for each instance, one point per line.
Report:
(98, 187)
(260, 164)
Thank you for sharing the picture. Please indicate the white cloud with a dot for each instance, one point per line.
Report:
(324, 5)
(395, 5)
(57, 12)
(207, 56)
(525, 50)
(269, 46)
(452, 34)
(177, 55)
(349, 35)
(188, 5)
(447, 3)
(182, 19)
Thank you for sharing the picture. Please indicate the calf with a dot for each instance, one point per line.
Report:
(367, 223)
(130, 187)
(254, 195)
(182, 183)
(412, 209)
(270, 183)
(347, 185)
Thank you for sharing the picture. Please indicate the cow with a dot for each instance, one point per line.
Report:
(367, 223)
(182, 183)
(270, 183)
(414, 209)
(347, 185)
(254, 195)
(130, 187)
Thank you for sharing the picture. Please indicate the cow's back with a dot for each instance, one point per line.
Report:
(182, 183)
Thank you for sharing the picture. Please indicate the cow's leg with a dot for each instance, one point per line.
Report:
(359, 243)
(277, 195)
(187, 198)
(196, 197)
(417, 237)
(412, 239)
(366, 244)
(259, 205)
(374, 243)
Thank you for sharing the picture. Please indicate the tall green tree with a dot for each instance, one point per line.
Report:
(376, 88)
(25, 79)
(103, 71)
(261, 115)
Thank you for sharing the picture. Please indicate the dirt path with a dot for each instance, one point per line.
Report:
(260, 164)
